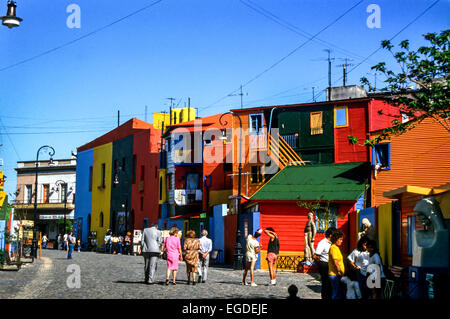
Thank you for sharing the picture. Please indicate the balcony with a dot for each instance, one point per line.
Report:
(48, 205)
(184, 197)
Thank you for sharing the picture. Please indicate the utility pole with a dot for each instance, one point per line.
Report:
(314, 96)
(189, 109)
(118, 118)
(344, 69)
(329, 72)
(171, 104)
(241, 94)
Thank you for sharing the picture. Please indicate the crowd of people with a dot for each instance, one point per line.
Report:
(67, 242)
(117, 244)
(342, 278)
(347, 278)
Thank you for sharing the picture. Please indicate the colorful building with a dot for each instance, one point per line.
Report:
(408, 168)
(194, 172)
(118, 180)
(282, 203)
(55, 193)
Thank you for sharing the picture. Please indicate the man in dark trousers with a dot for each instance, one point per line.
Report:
(321, 257)
(150, 247)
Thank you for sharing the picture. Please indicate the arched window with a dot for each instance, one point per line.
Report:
(101, 219)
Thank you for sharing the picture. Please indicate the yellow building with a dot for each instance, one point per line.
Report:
(101, 190)
(176, 116)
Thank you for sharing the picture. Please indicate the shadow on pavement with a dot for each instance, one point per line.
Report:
(315, 288)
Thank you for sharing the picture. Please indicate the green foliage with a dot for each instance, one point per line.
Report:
(352, 139)
(428, 69)
(69, 225)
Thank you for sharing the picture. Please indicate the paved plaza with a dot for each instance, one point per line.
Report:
(122, 277)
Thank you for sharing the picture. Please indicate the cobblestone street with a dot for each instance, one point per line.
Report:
(121, 277)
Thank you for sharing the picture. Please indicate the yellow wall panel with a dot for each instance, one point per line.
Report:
(385, 232)
(162, 186)
(101, 197)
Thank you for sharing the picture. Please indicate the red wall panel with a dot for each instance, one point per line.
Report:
(230, 227)
(344, 150)
(289, 221)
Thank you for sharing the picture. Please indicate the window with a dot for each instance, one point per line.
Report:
(45, 193)
(256, 176)
(63, 192)
(255, 123)
(103, 175)
(192, 181)
(142, 172)
(100, 221)
(28, 193)
(340, 116)
(316, 123)
(381, 156)
(325, 219)
(133, 173)
(90, 178)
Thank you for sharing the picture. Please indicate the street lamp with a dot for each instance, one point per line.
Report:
(10, 20)
(51, 153)
(57, 184)
(238, 256)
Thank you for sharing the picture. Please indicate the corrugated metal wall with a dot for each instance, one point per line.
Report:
(419, 157)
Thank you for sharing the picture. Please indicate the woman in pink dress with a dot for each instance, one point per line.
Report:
(172, 246)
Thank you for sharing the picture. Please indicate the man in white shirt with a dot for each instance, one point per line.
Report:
(203, 261)
(321, 257)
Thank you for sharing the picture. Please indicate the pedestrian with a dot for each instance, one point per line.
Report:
(127, 243)
(57, 242)
(293, 290)
(352, 286)
(120, 244)
(336, 268)
(191, 247)
(108, 242)
(273, 249)
(70, 243)
(172, 246)
(321, 257)
(79, 244)
(251, 256)
(44, 241)
(66, 246)
(203, 263)
(359, 259)
(150, 247)
(375, 264)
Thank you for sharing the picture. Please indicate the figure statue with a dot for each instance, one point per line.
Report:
(431, 245)
(368, 231)
(310, 234)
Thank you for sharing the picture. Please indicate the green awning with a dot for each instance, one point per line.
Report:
(328, 182)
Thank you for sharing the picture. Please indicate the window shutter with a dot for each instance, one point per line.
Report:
(316, 123)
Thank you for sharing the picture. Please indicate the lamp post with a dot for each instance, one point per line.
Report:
(10, 20)
(238, 256)
(57, 184)
(51, 153)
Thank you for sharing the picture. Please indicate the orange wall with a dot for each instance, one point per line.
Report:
(420, 157)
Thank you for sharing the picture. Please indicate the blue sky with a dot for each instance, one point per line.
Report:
(200, 49)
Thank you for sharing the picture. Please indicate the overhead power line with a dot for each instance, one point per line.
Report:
(286, 56)
(80, 38)
(392, 38)
(286, 24)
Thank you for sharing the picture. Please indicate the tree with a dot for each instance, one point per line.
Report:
(428, 69)
(69, 225)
